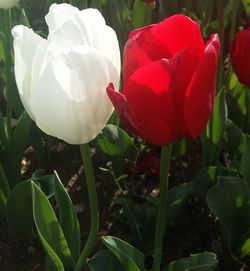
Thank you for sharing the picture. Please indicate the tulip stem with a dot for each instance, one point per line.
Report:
(220, 14)
(94, 224)
(162, 208)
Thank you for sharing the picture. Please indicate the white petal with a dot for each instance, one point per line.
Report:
(104, 38)
(59, 14)
(70, 100)
(26, 44)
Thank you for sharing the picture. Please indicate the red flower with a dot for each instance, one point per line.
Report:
(169, 77)
(240, 56)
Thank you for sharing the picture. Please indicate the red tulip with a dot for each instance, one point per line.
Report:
(169, 77)
(240, 56)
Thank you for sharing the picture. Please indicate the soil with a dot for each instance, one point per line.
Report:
(194, 230)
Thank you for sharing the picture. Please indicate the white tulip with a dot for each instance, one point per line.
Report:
(62, 80)
(8, 3)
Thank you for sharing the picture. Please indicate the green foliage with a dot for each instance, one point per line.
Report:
(105, 260)
(19, 211)
(68, 219)
(50, 231)
(129, 257)
(114, 141)
(4, 190)
(142, 13)
(212, 137)
(197, 262)
(229, 201)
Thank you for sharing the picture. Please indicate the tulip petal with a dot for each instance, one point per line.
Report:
(170, 36)
(150, 96)
(100, 32)
(240, 56)
(69, 101)
(59, 14)
(86, 27)
(26, 46)
(134, 56)
(200, 93)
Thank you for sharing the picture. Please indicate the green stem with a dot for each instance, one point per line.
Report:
(188, 7)
(234, 17)
(84, 4)
(162, 208)
(94, 225)
(232, 30)
(220, 14)
(8, 61)
(247, 117)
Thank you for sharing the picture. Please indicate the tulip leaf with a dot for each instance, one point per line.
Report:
(246, 4)
(245, 166)
(130, 258)
(21, 136)
(23, 18)
(211, 140)
(104, 261)
(205, 261)
(176, 199)
(233, 134)
(229, 201)
(142, 13)
(50, 231)
(3, 137)
(113, 140)
(132, 222)
(4, 190)
(68, 219)
(207, 178)
(46, 184)
(19, 210)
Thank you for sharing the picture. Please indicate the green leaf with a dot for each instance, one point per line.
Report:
(130, 258)
(229, 201)
(3, 137)
(132, 222)
(142, 13)
(104, 261)
(204, 180)
(233, 134)
(50, 231)
(23, 18)
(211, 140)
(20, 141)
(197, 262)
(246, 4)
(207, 178)
(68, 219)
(46, 183)
(113, 140)
(176, 200)
(245, 161)
(4, 190)
(19, 210)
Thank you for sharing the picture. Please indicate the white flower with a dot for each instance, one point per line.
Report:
(8, 3)
(62, 80)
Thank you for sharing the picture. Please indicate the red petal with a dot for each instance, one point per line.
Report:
(123, 109)
(134, 56)
(177, 33)
(150, 96)
(240, 56)
(199, 98)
